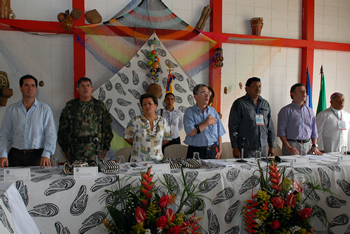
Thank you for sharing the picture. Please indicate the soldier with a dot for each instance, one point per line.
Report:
(82, 120)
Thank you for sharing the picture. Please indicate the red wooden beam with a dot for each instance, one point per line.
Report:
(79, 49)
(32, 26)
(325, 45)
(308, 29)
(215, 72)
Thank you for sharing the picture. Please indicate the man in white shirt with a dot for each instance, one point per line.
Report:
(333, 125)
(174, 117)
(29, 127)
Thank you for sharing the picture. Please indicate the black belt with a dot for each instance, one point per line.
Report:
(27, 151)
(300, 141)
(210, 147)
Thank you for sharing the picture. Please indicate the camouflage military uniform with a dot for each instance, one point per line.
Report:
(80, 122)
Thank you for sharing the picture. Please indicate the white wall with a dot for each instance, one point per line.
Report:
(51, 57)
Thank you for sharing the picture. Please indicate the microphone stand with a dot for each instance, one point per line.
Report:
(242, 152)
(96, 141)
(235, 134)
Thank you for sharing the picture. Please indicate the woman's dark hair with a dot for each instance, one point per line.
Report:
(146, 95)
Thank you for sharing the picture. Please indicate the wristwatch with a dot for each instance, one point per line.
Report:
(198, 129)
(315, 145)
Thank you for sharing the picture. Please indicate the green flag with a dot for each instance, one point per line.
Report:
(322, 103)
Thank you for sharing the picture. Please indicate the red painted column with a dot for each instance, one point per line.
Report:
(215, 72)
(79, 49)
(308, 29)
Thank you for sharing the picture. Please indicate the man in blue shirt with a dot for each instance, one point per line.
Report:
(29, 127)
(296, 126)
(203, 126)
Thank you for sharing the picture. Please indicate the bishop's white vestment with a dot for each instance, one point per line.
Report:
(330, 137)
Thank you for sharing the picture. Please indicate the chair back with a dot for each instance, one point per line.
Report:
(226, 150)
(126, 151)
(175, 151)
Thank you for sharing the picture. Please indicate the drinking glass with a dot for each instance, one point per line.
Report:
(343, 150)
(257, 154)
(303, 152)
(196, 156)
(55, 163)
(121, 159)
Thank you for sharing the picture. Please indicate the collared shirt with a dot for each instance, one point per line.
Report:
(243, 121)
(175, 120)
(147, 142)
(330, 137)
(33, 129)
(296, 123)
(209, 136)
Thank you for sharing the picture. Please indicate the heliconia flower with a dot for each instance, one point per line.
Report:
(275, 175)
(276, 187)
(276, 181)
(144, 202)
(290, 201)
(147, 178)
(148, 186)
(275, 224)
(273, 167)
(140, 215)
(146, 193)
(277, 202)
(149, 171)
(163, 201)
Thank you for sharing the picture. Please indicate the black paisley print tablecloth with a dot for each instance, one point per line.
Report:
(61, 204)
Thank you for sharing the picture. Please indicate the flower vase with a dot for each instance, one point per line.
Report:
(256, 24)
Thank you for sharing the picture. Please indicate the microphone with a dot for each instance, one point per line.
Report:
(235, 134)
(95, 140)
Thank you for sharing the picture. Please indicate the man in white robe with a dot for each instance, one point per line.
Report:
(333, 126)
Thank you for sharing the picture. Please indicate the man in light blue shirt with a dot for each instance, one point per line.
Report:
(29, 127)
(203, 126)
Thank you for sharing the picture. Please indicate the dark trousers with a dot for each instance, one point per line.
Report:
(18, 158)
(203, 152)
(172, 142)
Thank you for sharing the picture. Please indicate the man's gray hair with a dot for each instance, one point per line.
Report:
(195, 90)
(334, 95)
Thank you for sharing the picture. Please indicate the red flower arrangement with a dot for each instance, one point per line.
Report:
(144, 211)
(279, 206)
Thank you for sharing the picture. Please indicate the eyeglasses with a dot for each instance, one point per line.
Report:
(205, 93)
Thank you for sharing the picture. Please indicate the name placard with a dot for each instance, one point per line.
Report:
(343, 159)
(17, 174)
(85, 172)
(161, 168)
(299, 162)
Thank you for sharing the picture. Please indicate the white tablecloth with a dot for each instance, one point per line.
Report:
(62, 204)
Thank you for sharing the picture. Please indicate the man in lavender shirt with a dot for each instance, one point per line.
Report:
(296, 126)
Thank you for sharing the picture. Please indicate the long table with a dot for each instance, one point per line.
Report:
(61, 204)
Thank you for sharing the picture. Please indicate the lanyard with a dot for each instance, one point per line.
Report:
(258, 107)
(171, 117)
(341, 117)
